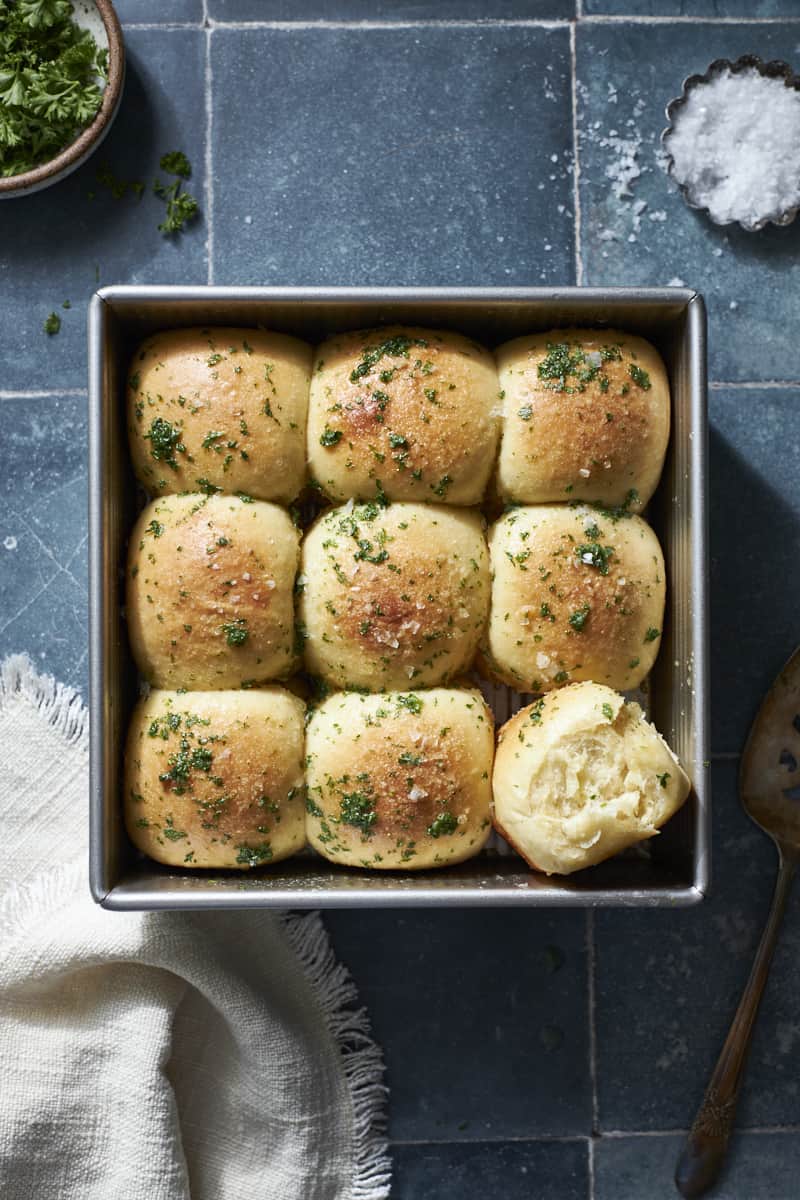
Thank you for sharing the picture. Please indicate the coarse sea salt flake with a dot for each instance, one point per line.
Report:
(735, 146)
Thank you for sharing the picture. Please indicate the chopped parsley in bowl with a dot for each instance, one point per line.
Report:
(61, 76)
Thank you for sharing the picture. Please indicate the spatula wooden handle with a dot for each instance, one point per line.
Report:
(704, 1151)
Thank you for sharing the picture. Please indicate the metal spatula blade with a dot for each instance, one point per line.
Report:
(769, 786)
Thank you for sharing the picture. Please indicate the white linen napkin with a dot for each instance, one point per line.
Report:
(160, 1056)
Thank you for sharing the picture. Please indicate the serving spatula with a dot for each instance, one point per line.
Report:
(769, 786)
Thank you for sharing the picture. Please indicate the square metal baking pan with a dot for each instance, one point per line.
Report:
(673, 870)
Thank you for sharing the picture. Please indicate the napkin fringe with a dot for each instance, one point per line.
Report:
(362, 1059)
(60, 705)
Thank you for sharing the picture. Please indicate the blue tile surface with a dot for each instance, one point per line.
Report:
(482, 1017)
(157, 12)
(755, 521)
(59, 245)
(43, 534)
(626, 74)
(667, 985)
(393, 156)
(388, 10)
(760, 1166)
(488, 1170)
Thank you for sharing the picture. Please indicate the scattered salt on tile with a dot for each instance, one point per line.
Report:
(735, 146)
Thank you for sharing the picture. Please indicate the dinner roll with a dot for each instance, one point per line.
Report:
(412, 413)
(586, 417)
(220, 410)
(400, 780)
(577, 593)
(581, 775)
(215, 779)
(210, 585)
(394, 596)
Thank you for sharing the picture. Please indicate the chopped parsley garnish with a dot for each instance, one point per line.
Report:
(50, 73)
(442, 824)
(397, 439)
(535, 713)
(156, 528)
(181, 207)
(652, 634)
(330, 437)
(213, 359)
(440, 489)
(608, 712)
(358, 809)
(663, 779)
(639, 376)
(396, 347)
(53, 323)
(407, 759)
(211, 437)
(254, 856)
(410, 701)
(205, 485)
(236, 632)
(165, 439)
(174, 835)
(560, 362)
(175, 162)
(579, 617)
(595, 555)
(526, 412)
(183, 762)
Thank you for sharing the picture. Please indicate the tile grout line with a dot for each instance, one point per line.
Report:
(764, 384)
(592, 1024)
(43, 395)
(488, 23)
(576, 169)
(517, 1139)
(368, 26)
(576, 1138)
(209, 181)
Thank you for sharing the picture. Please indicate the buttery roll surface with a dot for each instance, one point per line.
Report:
(210, 583)
(581, 775)
(218, 409)
(401, 780)
(409, 413)
(577, 594)
(215, 779)
(586, 416)
(393, 597)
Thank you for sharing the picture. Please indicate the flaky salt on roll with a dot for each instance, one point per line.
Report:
(393, 597)
(210, 583)
(217, 409)
(215, 779)
(586, 416)
(577, 594)
(412, 414)
(400, 781)
(581, 775)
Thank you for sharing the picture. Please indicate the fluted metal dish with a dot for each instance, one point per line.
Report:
(772, 70)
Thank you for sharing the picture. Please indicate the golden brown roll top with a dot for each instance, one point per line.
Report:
(215, 779)
(407, 413)
(577, 594)
(586, 417)
(219, 409)
(581, 775)
(393, 597)
(401, 780)
(210, 584)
